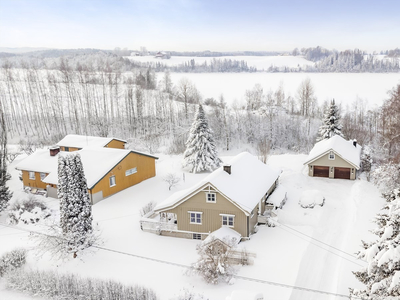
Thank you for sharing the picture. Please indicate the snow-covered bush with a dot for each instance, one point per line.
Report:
(147, 208)
(56, 286)
(386, 177)
(12, 260)
(214, 262)
(30, 210)
(185, 294)
(310, 198)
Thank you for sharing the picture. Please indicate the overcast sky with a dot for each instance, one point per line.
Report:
(227, 25)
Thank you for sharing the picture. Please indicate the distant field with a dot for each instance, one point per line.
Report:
(260, 62)
(343, 87)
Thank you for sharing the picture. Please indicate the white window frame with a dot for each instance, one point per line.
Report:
(115, 181)
(198, 215)
(42, 175)
(211, 194)
(331, 155)
(32, 175)
(227, 220)
(131, 171)
(196, 236)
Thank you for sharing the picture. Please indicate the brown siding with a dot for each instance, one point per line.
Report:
(115, 144)
(35, 183)
(146, 168)
(211, 219)
(70, 149)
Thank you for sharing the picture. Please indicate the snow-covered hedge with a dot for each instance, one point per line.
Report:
(71, 287)
(28, 211)
(310, 198)
(12, 260)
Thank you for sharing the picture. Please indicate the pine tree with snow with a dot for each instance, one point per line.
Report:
(330, 125)
(201, 152)
(382, 274)
(5, 194)
(75, 206)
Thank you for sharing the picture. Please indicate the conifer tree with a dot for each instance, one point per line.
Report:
(5, 194)
(201, 152)
(75, 206)
(331, 125)
(382, 274)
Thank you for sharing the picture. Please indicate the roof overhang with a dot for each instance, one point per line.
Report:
(336, 153)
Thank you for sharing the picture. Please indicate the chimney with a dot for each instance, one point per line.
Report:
(227, 169)
(355, 143)
(54, 150)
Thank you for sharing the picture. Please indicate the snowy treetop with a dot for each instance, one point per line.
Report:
(248, 182)
(81, 141)
(343, 148)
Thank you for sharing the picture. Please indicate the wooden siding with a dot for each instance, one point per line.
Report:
(146, 168)
(115, 144)
(211, 219)
(70, 149)
(34, 183)
(338, 162)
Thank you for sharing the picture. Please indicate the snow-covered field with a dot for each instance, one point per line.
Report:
(293, 253)
(343, 87)
(260, 62)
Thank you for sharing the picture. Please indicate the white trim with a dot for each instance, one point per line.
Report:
(326, 152)
(195, 217)
(42, 175)
(196, 212)
(115, 181)
(227, 215)
(215, 197)
(333, 155)
(228, 221)
(131, 171)
(32, 177)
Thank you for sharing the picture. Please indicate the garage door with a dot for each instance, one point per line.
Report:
(343, 173)
(321, 171)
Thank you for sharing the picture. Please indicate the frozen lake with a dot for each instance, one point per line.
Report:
(343, 87)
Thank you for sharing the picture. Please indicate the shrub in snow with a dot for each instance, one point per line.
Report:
(171, 179)
(201, 151)
(214, 261)
(185, 294)
(28, 211)
(71, 287)
(382, 274)
(387, 177)
(147, 208)
(309, 199)
(12, 260)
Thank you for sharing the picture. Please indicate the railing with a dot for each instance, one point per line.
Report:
(156, 226)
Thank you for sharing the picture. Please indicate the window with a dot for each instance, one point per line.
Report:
(228, 220)
(112, 181)
(196, 236)
(195, 217)
(32, 175)
(130, 171)
(211, 197)
(42, 176)
(66, 149)
(331, 155)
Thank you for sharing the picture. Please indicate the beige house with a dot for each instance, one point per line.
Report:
(334, 158)
(232, 196)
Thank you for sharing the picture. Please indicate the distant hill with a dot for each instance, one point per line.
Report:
(22, 50)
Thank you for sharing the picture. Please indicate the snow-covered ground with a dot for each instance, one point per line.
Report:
(259, 62)
(293, 253)
(343, 87)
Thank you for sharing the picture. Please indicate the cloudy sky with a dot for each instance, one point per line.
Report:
(218, 25)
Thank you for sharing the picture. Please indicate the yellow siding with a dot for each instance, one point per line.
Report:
(70, 149)
(115, 144)
(211, 219)
(34, 183)
(146, 168)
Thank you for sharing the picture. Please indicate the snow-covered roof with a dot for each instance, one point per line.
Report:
(341, 147)
(224, 233)
(97, 162)
(245, 186)
(81, 141)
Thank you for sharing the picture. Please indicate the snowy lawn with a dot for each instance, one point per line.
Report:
(285, 254)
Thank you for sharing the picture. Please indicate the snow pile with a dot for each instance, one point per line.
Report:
(28, 211)
(310, 198)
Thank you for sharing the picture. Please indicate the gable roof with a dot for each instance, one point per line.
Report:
(225, 235)
(244, 187)
(97, 162)
(80, 141)
(341, 147)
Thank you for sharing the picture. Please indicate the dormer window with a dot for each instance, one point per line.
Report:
(211, 197)
(331, 155)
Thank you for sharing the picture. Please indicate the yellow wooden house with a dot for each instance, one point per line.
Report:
(74, 142)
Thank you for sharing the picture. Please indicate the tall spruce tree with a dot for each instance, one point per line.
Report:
(75, 207)
(382, 274)
(5, 194)
(330, 124)
(201, 152)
